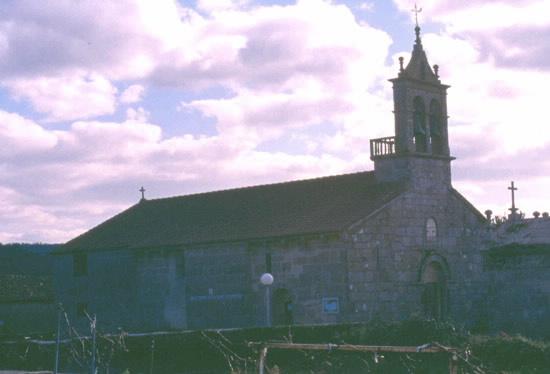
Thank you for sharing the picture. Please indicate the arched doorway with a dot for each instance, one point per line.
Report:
(434, 293)
(282, 307)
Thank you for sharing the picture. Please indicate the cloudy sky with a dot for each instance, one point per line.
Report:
(98, 98)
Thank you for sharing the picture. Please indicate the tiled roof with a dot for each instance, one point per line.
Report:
(318, 205)
(526, 231)
(21, 288)
(522, 237)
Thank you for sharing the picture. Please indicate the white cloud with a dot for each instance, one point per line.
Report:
(123, 40)
(513, 33)
(21, 136)
(513, 101)
(137, 115)
(367, 6)
(62, 56)
(92, 170)
(270, 48)
(211, 6)
(274, 47)
(483, 15)
(63, 98)
(132, 94)
(273, 113)
(287, 70)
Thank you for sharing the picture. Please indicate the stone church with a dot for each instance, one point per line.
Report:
(392, 243)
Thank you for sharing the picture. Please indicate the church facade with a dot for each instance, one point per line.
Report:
(392, 243)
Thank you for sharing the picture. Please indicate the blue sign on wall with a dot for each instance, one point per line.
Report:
(216, 297)
(331, 305)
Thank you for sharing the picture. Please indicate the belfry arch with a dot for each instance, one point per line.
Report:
(436, 128)
(419, 123)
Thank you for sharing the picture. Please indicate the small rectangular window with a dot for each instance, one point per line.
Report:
(80, 264)
(268, 262)
(81, 310)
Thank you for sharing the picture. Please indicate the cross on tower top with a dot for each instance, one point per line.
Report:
(513, 209)
(416, 10)
(142, 190)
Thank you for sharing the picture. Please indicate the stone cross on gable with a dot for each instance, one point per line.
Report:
(142, 190)
(513, 209)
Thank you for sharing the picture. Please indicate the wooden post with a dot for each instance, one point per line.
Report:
(351, 347)
(453, 364)
(152, 364)
(57, 339)
(376, 349)
(93, 368)
(371, 149)
(263, 354)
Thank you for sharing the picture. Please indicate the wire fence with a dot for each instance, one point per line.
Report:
(284, 349)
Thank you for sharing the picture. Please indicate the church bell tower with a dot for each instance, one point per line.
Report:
(419, 151)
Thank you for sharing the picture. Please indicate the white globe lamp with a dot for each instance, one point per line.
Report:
(266, 279)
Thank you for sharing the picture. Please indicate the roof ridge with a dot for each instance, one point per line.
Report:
(327, 177)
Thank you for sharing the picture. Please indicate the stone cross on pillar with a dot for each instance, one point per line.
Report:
(513, 209)
(142, 190)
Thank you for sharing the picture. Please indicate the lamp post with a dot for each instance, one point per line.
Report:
(267, 280)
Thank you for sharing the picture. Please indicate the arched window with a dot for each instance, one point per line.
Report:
(431, 230)
(436, 127)
(419, 122)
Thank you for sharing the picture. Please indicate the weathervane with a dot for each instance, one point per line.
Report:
(416, 10)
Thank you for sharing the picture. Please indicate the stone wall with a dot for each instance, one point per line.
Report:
(224, 290)
(217, 280)
(390, 250)
(421, 173)
(311, 270)
(518, 292)
(136, 291)
(160, 289)
(207, 286)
